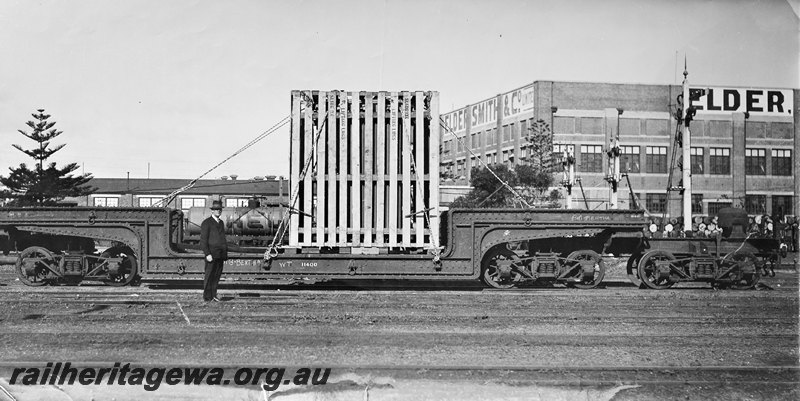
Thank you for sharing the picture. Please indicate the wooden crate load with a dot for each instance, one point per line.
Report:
(367, 165)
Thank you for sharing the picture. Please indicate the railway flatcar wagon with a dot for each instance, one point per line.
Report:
(733, 257)
(504, 248)
(364, 173)
(364, 170)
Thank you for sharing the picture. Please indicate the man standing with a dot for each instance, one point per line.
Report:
(214, 246)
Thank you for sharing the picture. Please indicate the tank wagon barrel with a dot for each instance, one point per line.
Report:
(243, 225)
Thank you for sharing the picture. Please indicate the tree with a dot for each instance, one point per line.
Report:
(487, 191)
(540, 142)
(530, 180)
(44, 185)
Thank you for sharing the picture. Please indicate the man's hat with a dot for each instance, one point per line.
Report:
(216, 205)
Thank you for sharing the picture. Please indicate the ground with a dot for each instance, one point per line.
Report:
(396, 340)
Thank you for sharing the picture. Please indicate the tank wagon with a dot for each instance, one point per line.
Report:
(364, 174)
(254, 225)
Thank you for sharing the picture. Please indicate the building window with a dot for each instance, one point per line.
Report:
(558, 153)
(719, 161)
(697, 203)
(755, 204)
(781, 162)
(696, 155)
(656, 159)
(755, 162)
(656, 203)
(489, 134)
(591, 159)
(782, 205)
(629, 159)
(508, 157)
(506, 133)
(187, 203)
(714, 207)
(236, 202)
(105, 201)
(150, 201)
(523, 130)
(473, 141)
(461, 145)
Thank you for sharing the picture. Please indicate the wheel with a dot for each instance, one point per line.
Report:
(34, 266)
(747, 274)
(127, 270)
(494, 263)
(632, 269)
(648, 270)
(575, 262)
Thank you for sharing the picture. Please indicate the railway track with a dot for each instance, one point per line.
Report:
(687, 342)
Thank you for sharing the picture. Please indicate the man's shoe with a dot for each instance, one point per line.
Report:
(215, 299)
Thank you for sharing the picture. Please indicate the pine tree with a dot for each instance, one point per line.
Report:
(46, 184)
(540, 141)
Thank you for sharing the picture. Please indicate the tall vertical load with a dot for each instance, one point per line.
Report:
(365, 169)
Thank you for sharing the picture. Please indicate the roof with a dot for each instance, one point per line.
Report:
(163, 186)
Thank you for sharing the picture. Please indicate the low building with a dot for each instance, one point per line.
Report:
(147, 192)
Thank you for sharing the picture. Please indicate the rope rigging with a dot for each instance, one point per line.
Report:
(426, 212)
(169, 198)
(280, 233)
(476, 157)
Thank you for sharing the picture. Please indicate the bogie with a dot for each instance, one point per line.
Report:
(37, 266)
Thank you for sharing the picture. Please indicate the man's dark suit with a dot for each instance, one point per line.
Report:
(212, 242)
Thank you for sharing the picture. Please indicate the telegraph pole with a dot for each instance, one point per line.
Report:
(686, 143)
(568, 163)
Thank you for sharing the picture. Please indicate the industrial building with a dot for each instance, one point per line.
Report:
(743, 148)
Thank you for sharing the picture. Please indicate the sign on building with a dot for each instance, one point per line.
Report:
(763, 102)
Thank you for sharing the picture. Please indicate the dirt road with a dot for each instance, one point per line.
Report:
(616, 342)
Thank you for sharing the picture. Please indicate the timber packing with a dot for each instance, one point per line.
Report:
(367, 164)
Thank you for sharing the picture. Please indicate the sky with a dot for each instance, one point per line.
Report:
(169, 89)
